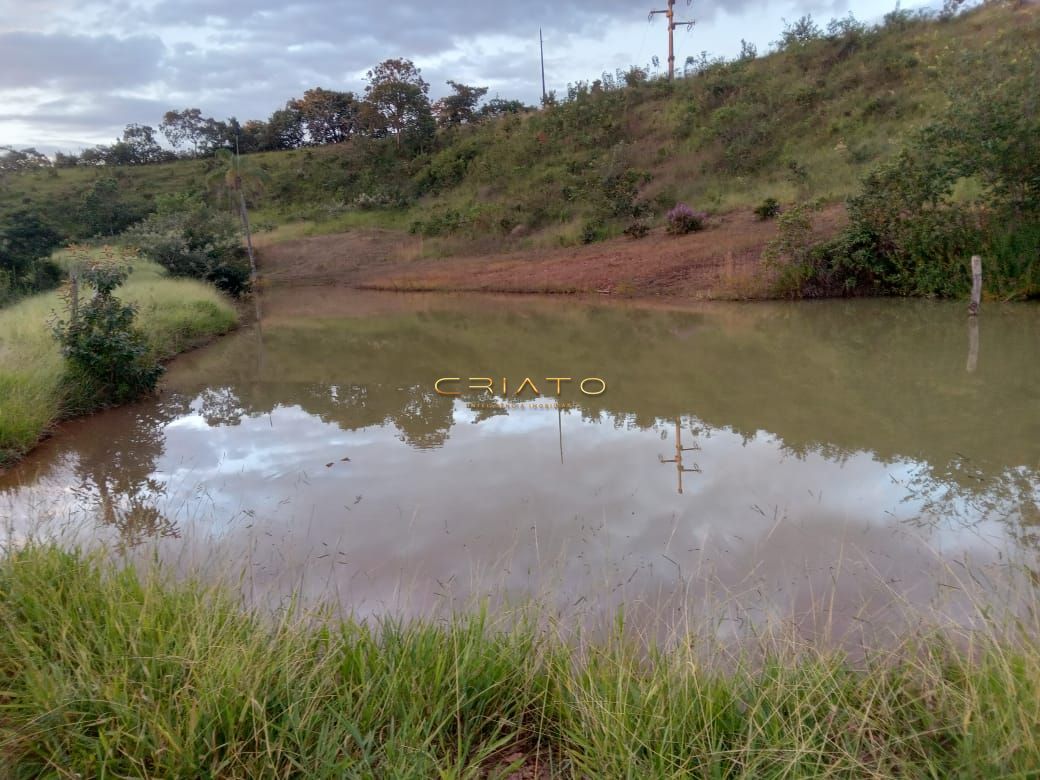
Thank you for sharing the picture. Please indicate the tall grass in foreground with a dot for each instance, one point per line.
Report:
(173, 314)
(105, 672)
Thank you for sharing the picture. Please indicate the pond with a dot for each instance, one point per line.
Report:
(864, 450)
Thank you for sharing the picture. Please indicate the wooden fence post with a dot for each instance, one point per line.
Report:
(74, 295)
(973, 344)
(976, 285)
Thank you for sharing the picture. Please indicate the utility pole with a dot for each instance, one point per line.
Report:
(678, 459)
(541, 47)
(672, 24)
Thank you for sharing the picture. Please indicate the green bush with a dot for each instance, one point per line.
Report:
(593, 230)
(439, 223)
(768, 209)
(101, 343)
(448, 167)
(792, 255)
(746, 129)
(26, 243)
(638, 229)
(189, 239)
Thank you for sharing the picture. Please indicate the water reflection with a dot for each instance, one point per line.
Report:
(678, 459)
(320, 454)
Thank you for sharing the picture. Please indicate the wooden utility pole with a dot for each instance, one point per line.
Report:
(541, 48)
(672, 24)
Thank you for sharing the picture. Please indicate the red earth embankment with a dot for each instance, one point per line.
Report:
(723, 261)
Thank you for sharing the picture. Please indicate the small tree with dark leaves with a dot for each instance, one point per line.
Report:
(101, 343)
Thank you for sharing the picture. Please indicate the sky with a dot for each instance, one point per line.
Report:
(73, 73)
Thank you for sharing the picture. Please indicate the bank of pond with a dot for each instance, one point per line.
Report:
(111, 671)
(36, 391)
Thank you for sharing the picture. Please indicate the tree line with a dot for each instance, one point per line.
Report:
(395, 104)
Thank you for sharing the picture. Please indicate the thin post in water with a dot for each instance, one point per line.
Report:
(976, 285)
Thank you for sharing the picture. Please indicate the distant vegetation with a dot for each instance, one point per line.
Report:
(922, 121)
(26, 243)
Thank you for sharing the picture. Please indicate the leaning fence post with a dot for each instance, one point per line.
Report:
(976, 285)
(74, 295)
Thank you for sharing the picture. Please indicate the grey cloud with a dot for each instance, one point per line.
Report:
(367, 32)
(107, 114)
(35, 59)
(247, 57)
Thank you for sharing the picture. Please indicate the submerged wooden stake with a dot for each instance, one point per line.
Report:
(976, 285)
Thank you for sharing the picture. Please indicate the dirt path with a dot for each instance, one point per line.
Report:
(721, 262)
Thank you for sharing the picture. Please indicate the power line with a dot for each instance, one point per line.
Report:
(672, 24)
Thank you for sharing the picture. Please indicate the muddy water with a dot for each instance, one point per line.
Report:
(782, 452)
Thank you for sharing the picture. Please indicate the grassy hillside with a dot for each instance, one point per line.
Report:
(34, 394)
(808, 121)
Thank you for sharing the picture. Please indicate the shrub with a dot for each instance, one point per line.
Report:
(26, 243)
(440, 222)
(746, 129)
(188, 239)
(682, 220)
(792, 253)
(593, 230)
(768, 209)
(638, 229)
(100, 342)
(799, 33)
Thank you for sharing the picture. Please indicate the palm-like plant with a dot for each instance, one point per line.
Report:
(236, 175)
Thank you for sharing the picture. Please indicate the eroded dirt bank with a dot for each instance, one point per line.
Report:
(721, 262)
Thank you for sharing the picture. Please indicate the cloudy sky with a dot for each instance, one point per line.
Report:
(75, 72)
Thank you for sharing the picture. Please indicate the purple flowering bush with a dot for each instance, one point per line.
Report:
(682, 220)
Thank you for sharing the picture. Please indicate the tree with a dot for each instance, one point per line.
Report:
(12, 160)
(101, 343)
(460, 107)
(137, 147)
(26, 243)
(218, 135)
(94, 156)
(236, 176)
(188, 238)
(253, 137)
(371, 123)
(63, 160)
(798, 34)
(190, 126)
(328, 116)
(103, 209)
(398, 92)
(285, 129)
(499, 107)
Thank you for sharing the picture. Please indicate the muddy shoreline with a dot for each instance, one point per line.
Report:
(720, 263)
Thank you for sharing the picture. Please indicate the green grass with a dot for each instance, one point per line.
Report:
(174, 314)
(319, 223)
(110, 672)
